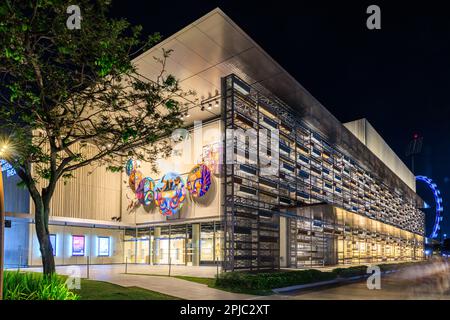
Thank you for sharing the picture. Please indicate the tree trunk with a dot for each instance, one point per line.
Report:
(42, 210)
(45, 246)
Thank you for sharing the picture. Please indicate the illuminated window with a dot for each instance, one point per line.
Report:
(78, 245)
(103, 246)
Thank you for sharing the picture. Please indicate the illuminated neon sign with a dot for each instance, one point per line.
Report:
(10, 171)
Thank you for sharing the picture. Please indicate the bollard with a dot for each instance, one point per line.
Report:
(170, 264)
(87, 267)
(20, 261)
(126, 265)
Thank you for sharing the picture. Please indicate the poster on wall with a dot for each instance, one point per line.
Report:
(103, 246)
(53, 242)
(77, 245)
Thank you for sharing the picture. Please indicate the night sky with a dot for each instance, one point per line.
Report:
(397, 77)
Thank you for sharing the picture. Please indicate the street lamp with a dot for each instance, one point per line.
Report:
(4, 148)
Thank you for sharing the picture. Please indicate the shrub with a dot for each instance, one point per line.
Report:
(350, 271)
(35, 286)
(270, 280)
(263, 282)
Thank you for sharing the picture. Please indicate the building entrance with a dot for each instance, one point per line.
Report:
(170, 251)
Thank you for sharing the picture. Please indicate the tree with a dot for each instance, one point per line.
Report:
(71, 97)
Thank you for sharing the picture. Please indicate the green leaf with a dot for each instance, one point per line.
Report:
(171, 104)
(63, 50)
(112, 168)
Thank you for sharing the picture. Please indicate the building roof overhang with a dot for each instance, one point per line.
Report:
(214, 46)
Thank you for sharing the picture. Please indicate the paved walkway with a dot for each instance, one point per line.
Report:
(156, 280)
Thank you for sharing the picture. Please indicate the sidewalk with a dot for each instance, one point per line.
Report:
(176, 287)
(157, 281)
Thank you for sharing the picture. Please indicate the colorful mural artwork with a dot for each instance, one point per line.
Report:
(170, 194)
(199, 180)
(141, 187)
(211, 157)
(134, 179)
(145, 191)
(130, 166)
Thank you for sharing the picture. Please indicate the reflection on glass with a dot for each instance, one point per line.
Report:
(207, 242)
(53, 243)
(173, 248)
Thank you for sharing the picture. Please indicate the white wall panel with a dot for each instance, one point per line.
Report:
(366, 133)
(93, 193)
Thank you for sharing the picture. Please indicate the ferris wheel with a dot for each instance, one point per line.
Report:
(438, 204)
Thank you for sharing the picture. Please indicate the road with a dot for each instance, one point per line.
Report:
(420, 282)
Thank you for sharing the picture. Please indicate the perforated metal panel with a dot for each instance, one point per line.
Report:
(310, 171)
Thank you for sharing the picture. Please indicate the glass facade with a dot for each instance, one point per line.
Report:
(177, 244)
(190, 244)
(71, 244)
(326, 235)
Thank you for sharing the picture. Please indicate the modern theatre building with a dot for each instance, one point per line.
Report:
(264, 177)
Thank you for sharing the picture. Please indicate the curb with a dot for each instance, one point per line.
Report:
(306, 286)
(324, 283)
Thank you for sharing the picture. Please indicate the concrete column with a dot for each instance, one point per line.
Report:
(156, 234)
(196, 244)
(150, 245)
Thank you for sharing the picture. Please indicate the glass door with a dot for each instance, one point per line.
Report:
(143, 251)
(130, 251)
(161, 251)
(207, 243)
(173, 248)
(177, 250)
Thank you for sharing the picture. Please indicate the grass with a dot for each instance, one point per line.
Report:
(35, 286)
(208, 281)
(263, 283)
(99, 290)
